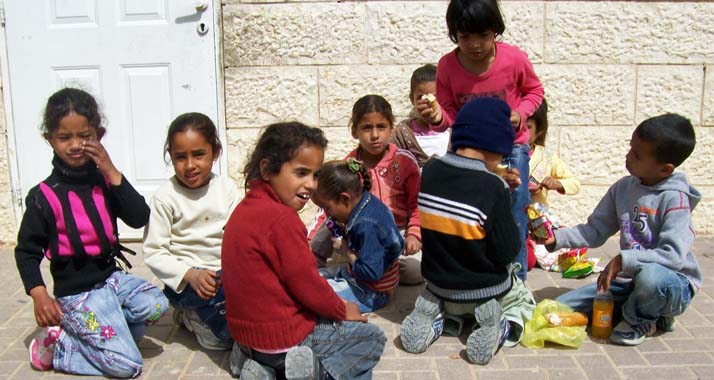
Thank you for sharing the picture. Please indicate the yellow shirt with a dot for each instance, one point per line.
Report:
(544, 165)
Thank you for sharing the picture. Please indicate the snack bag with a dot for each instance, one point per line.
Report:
(542, 222)
(547, 325)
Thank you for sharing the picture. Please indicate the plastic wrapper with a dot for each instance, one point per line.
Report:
(538, 330)
(541, 221)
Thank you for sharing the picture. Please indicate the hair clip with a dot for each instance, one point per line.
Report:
(354, 165)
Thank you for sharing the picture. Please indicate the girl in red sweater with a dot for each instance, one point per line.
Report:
(285, 319)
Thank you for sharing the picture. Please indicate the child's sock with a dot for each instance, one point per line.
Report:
(42, 348)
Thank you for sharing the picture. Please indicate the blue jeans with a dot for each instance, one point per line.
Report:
(653, 292)
(520, 199)
(212, 312)
(100, 327)
(347, 350)
(347, 288)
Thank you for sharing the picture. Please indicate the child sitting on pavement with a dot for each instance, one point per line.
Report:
(655, 275)
(470, 238)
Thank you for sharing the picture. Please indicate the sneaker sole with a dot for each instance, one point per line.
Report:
(480, 344)
(301, 364)
(417, 331)
(36, 364)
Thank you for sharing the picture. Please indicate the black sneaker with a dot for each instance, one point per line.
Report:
(665, 324)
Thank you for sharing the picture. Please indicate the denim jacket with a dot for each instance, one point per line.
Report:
(373, 235)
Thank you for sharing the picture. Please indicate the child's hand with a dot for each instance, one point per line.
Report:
(351, 256)
(203, 281)
(429, 111)
(515, 120)
(95, 150)
(512, 178)
(47, 309)
(611, 270)
(412, 245)
(352, 312)
(551, 183)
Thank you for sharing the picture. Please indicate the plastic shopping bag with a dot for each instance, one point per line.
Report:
(539, 330)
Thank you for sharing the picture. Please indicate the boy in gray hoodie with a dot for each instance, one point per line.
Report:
(655, 276)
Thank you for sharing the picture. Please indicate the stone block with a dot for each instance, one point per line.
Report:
(595, 154)
(524, 26)
(695, 167)
(240, 145)
(342, 86)
(294, 34)
(257, 96)
(589, 94)
(339, 142)
(662, 89)
(628, 32)
(405, 31)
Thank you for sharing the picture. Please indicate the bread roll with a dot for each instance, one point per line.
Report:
(432, 101)
(566, 319)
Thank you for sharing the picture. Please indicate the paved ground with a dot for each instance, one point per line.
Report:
(172, 352)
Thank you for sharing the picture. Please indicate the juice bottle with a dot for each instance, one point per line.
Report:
(602, 316)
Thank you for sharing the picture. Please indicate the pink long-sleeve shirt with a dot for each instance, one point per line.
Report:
(510, 78)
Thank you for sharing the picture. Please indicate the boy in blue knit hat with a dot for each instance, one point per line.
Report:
(469, 239)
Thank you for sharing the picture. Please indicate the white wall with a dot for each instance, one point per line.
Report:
(605, 66)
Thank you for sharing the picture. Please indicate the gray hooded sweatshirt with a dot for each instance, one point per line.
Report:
(655, 224)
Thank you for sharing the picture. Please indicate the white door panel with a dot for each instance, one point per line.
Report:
(143, 60)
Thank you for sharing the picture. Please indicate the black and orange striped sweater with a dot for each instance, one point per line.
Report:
(469, 236)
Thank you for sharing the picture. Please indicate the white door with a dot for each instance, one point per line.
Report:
(145, 61)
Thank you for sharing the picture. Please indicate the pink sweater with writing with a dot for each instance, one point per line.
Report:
(510, 78)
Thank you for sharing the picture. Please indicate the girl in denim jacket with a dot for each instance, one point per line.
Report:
(373, 240)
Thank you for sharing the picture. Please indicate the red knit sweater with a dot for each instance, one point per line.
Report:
(273, 290)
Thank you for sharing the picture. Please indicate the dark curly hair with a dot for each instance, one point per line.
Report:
(278, 144)
(198, 122)
(337, 177)
(66, 101)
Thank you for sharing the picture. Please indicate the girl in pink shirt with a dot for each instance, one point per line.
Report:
(396, 179)
(480, 66)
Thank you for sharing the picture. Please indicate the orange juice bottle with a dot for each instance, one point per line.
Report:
(603, 306)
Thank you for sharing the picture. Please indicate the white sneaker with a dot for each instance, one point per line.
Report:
(204, 335)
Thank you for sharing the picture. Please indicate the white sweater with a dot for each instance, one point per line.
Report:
(185, 228)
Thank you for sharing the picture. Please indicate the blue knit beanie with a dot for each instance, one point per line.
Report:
(484, 123)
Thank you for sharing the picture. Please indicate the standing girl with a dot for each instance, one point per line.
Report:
(280, 312)
(373, 240)
(99, 311)
(395, 175)
(182, 242)
(481, 66)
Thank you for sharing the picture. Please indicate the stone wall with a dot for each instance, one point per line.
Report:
(605, 66)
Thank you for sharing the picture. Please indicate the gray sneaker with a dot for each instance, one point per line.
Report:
(423, 325)
(301, 364)
(253, 370)
(491, 331)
